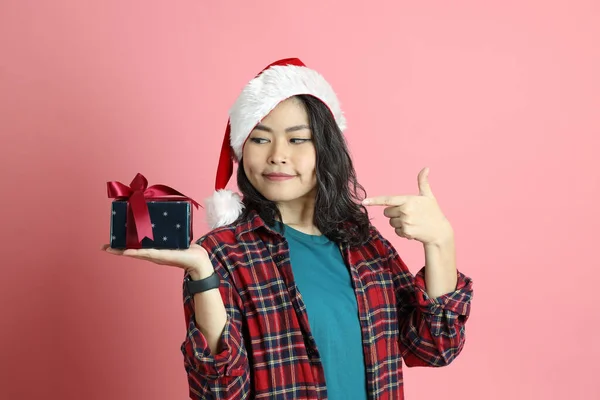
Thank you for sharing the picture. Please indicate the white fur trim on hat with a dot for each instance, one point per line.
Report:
(262, 94)
(223, 208)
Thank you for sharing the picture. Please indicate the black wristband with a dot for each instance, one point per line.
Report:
(193, 287)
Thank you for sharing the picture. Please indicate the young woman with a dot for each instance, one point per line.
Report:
(294, 294)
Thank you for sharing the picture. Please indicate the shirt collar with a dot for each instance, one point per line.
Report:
(250, 224)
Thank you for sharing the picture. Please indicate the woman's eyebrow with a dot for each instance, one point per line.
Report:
(262, 127)
(297, 128)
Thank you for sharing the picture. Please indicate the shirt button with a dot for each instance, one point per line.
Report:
(279, 257)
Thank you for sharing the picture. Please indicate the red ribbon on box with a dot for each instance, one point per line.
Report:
(139, 225)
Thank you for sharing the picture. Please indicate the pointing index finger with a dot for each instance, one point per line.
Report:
(385, 201)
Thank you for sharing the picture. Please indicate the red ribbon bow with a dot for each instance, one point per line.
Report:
(139, 225)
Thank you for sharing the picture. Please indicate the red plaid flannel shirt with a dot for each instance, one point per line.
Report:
(268, 351)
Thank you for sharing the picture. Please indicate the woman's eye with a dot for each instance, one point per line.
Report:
(299, 141)
(258, 140)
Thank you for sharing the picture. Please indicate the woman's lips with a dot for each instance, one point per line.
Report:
(278, 177)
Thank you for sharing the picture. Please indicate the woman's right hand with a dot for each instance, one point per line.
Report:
(194, 260)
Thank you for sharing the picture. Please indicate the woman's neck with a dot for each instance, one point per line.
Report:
(300, 216)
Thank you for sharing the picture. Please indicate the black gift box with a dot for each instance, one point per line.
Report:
(171, 224)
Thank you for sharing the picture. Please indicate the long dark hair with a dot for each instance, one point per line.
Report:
(338, 212)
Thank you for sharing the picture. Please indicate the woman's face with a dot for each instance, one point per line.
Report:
(279, 156)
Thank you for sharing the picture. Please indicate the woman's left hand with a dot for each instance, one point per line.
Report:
(417, 217)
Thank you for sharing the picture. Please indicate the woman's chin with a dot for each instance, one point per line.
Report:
(279, 197)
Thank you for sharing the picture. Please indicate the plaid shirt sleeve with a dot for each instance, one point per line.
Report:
(225, 375)
(432, 330)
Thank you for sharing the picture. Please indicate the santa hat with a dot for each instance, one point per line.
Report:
(277, 82)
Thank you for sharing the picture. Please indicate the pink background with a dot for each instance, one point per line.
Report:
(500, 101)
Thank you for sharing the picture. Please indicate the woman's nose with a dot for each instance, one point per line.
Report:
(279, 153)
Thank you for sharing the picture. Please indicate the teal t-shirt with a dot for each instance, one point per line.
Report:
(326, 288)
